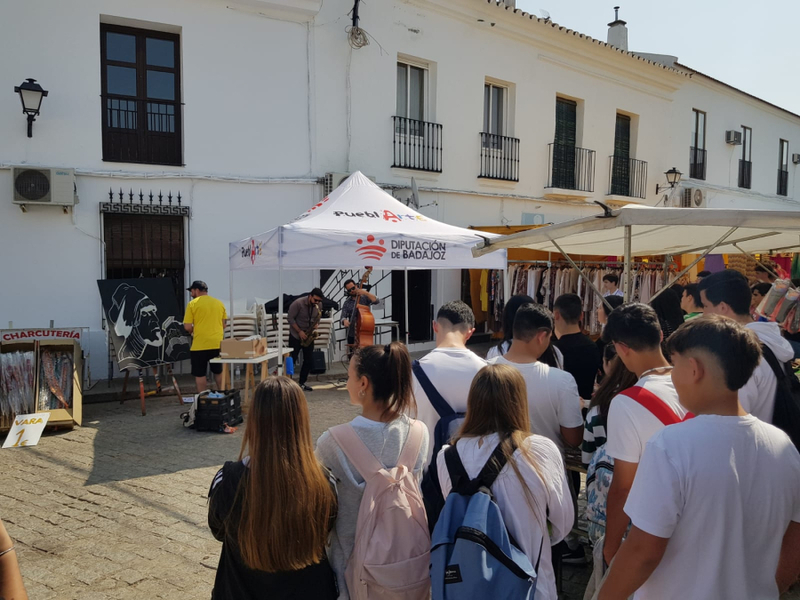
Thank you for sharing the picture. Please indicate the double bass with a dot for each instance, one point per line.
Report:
(362, 321)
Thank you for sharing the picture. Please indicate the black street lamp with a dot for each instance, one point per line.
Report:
(673, 178)
(31, 94)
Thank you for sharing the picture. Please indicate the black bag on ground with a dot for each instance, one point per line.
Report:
(318, 366)
(786, 413)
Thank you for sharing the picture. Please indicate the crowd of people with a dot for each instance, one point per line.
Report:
(452, 480)
(691, 492)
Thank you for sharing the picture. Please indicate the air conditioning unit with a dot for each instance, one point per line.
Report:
(51, 187)
(733, 137)
(692, 198)
(796, 159)
(334, 180)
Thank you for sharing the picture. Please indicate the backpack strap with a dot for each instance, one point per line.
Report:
(657, 407)
(437, 401)
(410, 452)
(774, 363)
(356, 450)
(461, 483)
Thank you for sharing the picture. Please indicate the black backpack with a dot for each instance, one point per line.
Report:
(786, 414)
(448, 423)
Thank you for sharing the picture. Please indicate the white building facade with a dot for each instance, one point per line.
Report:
(242, 108)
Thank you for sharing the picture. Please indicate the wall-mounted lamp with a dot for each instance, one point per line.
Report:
(31, 94)
(673, 179)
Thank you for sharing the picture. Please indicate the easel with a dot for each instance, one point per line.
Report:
(156, 392)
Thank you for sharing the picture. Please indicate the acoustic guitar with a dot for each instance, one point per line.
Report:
(363, 318)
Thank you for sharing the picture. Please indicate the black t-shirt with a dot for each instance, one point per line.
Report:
(582, 360)
(234, 580)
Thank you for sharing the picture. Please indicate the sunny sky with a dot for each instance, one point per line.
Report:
(751, 45)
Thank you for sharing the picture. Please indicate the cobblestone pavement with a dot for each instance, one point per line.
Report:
(116, 509)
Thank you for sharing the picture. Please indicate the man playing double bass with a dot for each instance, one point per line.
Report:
(304, 315)
(349, 307)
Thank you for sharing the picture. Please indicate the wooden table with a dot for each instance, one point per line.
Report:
(249, 377)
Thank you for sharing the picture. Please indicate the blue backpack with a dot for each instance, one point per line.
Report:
(473, 555)
(449, 420)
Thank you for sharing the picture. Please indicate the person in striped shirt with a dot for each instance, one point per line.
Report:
(600, 466)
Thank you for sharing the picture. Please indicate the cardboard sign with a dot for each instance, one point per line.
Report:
(43, 333)
(27, 430)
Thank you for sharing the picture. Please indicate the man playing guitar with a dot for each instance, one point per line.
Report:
(349, 307)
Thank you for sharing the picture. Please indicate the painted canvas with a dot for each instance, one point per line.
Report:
(144, 322)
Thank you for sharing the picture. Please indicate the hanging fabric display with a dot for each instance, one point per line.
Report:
(16, 383)
(55, 380)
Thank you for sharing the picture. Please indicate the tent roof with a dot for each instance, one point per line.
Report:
(360, 224)
(661, 231)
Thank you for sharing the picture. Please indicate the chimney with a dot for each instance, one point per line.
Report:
(617, 32)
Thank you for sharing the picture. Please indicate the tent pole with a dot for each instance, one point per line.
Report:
(405, 293)
(626, 276)
(280, 301)
(585, 277)
(230, 291)
(695, 261)
(506, 285)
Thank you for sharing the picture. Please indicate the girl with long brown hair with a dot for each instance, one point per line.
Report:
(274, 508)
(379, 381)
(531, 489)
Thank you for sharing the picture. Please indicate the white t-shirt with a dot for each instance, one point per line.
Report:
(617, 292)
(494, 353)
(451, 371)
(550, 493)
(723, 490)
(630, 425)
(553, 400)
(758, 395)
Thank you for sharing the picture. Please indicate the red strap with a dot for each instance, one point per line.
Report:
(660, 409)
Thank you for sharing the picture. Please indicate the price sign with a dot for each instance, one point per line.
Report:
(27, 430)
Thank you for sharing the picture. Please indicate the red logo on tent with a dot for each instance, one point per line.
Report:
(373, 251)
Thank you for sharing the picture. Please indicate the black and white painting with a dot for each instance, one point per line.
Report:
(144, 322)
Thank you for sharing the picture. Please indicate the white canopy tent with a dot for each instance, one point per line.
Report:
(360, 224)
(643, 231)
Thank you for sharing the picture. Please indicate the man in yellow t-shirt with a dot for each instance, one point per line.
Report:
(205, 320)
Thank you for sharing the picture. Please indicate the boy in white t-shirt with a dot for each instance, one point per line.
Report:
(716, 502)
(554, 405)
(450, 367)
(635, 331)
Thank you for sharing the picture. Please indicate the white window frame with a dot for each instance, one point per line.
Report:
(410, 62)
(506, 93)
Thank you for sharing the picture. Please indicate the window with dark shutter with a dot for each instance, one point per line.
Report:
(140, 78)
(620, 167)
(564, 145)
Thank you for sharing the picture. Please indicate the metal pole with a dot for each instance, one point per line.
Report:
(506, 285)
(626, 275)
(230, 293)
(753, 258)
(585, 277)
(280, 301)
(405, 287)
(695, 261)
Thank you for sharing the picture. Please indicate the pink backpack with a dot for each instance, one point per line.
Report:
(391, 556)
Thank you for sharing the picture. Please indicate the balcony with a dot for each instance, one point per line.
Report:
(697, 163)
(499, 157)
(783, 182)
(745, 174)
(627, 177)
(417, 145)
(570, 169)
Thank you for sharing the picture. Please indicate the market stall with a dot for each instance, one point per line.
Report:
(634, 231)
(360, 224)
